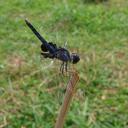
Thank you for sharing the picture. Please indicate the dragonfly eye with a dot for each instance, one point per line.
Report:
(75, 58)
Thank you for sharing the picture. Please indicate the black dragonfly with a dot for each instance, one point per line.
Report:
(50, 50)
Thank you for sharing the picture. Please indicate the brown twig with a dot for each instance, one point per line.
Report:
(67, 99)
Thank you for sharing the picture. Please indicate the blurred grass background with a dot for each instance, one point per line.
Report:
(31, 91)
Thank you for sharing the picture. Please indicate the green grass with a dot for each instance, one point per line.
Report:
(31, 94)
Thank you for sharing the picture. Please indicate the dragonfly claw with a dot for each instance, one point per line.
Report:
(63, 67)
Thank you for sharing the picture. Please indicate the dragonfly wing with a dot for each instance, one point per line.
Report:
(47, 55)
(45, 45)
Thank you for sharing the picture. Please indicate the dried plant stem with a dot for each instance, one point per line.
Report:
(67, 99)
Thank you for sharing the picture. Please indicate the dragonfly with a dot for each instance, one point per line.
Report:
(50, 50)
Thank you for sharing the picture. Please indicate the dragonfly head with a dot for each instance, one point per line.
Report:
(75, 58)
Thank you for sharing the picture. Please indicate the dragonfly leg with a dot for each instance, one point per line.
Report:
(62, 67)
(66, 66)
